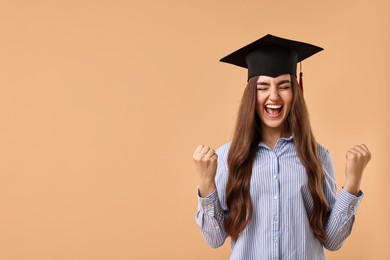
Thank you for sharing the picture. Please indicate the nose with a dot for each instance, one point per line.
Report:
(274, 93)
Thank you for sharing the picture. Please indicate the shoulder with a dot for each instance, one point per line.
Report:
(326, 162)
(222, 152)
(323, 153)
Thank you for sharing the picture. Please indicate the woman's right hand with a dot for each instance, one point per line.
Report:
(205, 160)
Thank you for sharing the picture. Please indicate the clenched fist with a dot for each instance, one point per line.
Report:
(205, 160)
(357, 160)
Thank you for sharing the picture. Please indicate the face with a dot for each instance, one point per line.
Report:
(274, 100)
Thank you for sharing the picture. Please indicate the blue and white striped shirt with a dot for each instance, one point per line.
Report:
(281, 200)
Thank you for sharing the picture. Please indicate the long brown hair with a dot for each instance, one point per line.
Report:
(246, 138)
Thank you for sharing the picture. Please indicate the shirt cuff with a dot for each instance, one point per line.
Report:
(350, 201)
(208, 203)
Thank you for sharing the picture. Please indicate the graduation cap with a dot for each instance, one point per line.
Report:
(271, 56)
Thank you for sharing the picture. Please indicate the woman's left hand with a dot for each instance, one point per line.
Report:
(357, 160)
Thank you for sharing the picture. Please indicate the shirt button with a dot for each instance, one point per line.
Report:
(210, 205)
(275, 197)
(275, 176)
(275, 218)
(275, 240)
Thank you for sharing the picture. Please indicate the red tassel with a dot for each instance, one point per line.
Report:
(301, 81)
(301, 77)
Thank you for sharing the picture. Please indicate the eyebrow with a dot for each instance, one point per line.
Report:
(267, 84)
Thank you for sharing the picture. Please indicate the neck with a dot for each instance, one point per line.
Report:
(271, 135)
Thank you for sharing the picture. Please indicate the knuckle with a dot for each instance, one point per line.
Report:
(199, 147)
(197, 158)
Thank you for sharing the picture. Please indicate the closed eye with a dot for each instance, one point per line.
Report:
(284, 87)
(262, 85)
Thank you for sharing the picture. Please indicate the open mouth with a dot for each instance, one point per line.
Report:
(273, 110)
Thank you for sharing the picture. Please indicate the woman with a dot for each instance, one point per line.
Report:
(272, 189)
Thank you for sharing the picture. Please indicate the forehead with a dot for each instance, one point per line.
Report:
(279, 78)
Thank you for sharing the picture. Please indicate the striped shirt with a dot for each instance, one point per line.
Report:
(281, 200)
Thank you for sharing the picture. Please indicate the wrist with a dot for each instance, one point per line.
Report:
(206, 188)
(352, 187)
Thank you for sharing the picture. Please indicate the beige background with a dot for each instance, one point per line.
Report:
(103, 102)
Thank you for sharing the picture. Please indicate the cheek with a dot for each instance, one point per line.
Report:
(289, 104)
(259, 103)
(260, 99)
(288, 99)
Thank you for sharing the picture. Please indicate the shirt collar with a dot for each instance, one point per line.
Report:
(281, 138)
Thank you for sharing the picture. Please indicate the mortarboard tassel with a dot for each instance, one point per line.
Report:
(301, 76)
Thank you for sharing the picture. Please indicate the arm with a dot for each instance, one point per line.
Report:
(210, 216)
(343, 208)
(210, 219)
(341, 219)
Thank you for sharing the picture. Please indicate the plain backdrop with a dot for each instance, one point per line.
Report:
(103, 102)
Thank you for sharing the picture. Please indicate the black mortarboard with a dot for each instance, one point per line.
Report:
(271, 56)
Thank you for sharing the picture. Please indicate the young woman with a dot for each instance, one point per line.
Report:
(272, 189)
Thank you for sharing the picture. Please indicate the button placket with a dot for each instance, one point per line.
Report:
(275, 203)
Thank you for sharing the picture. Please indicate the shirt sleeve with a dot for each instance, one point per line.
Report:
(343, 208)
(212, 210)
(210, 219)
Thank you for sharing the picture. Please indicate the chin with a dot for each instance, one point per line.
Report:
(274, 123)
